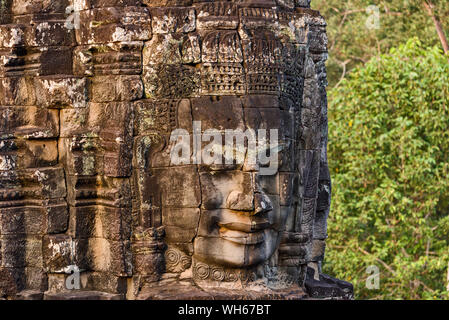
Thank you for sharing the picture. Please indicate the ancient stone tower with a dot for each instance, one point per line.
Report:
(92, 203)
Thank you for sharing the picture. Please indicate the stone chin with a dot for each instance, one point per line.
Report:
(235, 249)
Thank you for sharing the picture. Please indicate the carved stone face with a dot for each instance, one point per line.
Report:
(248, 76)
(263, 69)
(231, 215)
(241, 217)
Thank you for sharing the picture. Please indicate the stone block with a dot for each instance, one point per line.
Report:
(228, 113)
(17, 91)
(58, 253)
(180, 224)
(49, 33)
(116, 58)
(61, 92)
(114, 24)
(102, 255)
(23, 7)
(173, 20)
(116, 88)
(30, 123)
(175, 182)
(18, 251)
(217, 15)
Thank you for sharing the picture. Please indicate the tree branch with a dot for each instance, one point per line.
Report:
(390, 269)
(436, 21)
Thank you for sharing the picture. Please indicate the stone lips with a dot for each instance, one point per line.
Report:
(86, 114)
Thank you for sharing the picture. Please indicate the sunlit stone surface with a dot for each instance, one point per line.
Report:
(90, 93)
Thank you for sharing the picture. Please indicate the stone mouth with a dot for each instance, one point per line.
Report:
(250, 227)
(241, 237)
(250, 233)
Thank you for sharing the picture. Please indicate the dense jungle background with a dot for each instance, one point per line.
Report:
(389, 146)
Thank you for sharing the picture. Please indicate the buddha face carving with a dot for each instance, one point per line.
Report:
(249, 90)
(226, 214)
(240, 216)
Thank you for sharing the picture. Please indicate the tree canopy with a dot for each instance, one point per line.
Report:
(354, 39)
(389, 158)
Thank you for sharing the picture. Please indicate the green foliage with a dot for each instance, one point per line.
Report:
(353, 44)
(389, 158)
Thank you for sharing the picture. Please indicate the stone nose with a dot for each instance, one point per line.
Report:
(262, 203)
(255, 202)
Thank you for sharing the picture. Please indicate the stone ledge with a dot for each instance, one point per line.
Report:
(82, 295)
(181, 292)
